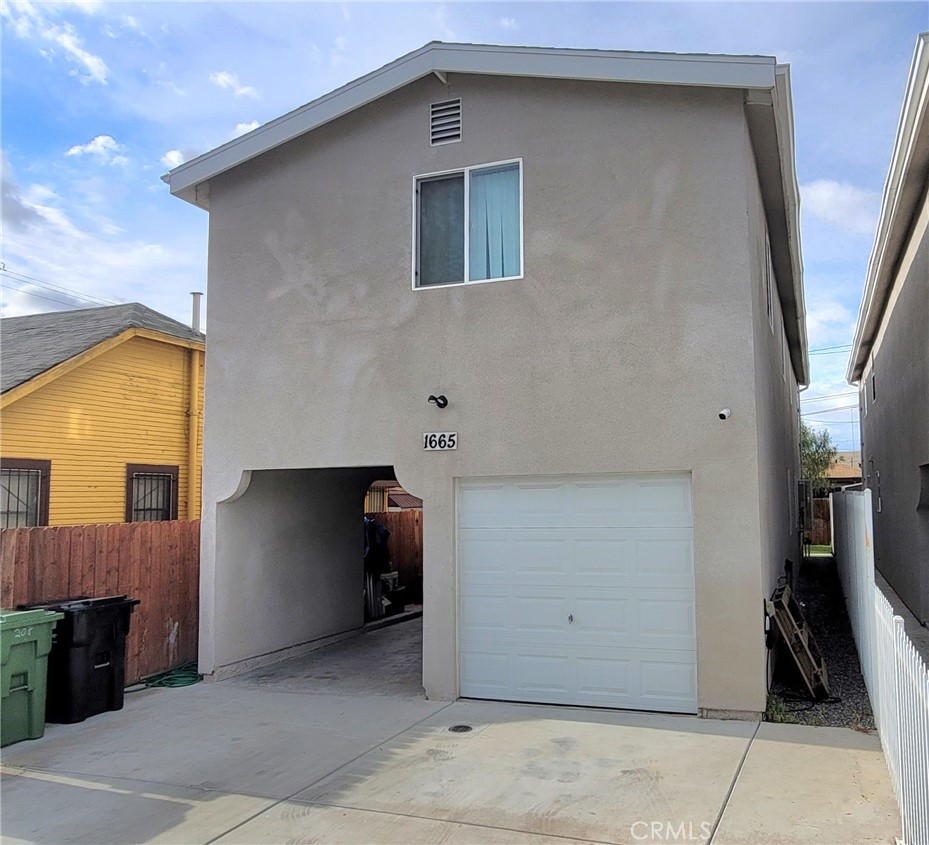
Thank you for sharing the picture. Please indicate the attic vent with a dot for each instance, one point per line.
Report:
(445, 122)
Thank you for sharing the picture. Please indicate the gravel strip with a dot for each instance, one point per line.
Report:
(819, 594)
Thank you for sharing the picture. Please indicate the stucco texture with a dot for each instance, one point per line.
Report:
(634, 324)
(895, 426)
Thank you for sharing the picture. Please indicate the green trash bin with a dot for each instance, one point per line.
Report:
(25, 641)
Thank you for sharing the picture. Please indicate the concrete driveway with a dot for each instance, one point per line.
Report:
(287, 755)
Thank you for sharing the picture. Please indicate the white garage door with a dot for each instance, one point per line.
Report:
(578, 590)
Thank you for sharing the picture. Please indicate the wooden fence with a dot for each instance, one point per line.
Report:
(155, 562)
(406, 549)
(821, 535)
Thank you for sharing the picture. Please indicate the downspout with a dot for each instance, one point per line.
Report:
(193, 436)
(193, 420)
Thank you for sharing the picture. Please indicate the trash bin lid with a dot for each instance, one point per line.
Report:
(81, 603)
(22, 618)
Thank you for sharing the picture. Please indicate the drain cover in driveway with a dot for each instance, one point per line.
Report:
(460, 729)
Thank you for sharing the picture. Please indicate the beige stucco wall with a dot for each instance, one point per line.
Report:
(895, 426)
(632, 328)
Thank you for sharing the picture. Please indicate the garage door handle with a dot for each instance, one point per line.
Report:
(571, 618)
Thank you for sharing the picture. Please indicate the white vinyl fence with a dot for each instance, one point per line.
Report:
(895, 674)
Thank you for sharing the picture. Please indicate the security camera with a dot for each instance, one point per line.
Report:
(725, 413)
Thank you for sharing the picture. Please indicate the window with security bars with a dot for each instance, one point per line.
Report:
(23, 492)
(151, 493)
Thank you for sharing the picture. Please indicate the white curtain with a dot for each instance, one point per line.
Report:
(494, 223)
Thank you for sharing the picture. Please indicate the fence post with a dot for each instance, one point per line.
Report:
(906, 775)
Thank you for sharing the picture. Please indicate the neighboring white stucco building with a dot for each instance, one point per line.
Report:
(627, 224)
(890, 356)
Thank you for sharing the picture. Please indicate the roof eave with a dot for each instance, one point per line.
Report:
(28, 386)
(769, 117)
(783, 110)
(903, 188)
(744, 72)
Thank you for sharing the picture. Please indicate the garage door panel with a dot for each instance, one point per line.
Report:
(502, 505)
(566, 501)
(539, 615)
(668, 678)
(534, 672)
(602, 557)
(608, 678)
(664, 559)
(603, 615)
(664, 681)
(601, 502)
(485, 673)
(480, 556)
(484, 615)
(538, 556)
(634, 622)
(578, 591)
(668, 496)
(666, 618)
(605, 556)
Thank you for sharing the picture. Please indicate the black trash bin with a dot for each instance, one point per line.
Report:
(87, 664)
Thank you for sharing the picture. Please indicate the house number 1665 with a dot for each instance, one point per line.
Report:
(438, 440)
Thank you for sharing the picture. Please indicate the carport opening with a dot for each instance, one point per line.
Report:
(393, 550)
(306, 557)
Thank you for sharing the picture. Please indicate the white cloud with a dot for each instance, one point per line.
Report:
(88, 7)
(52, 242)
(828, 321)
(438, 17)
(172, 159)
(230, 81)
(243, 128)
(103, 147)
(27, 21)
(46, 204)
(18, 213)
(509, 23)
(173, 87)
(337, 53)
(843, 205)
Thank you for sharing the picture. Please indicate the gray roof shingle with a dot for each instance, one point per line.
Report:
(35, 343)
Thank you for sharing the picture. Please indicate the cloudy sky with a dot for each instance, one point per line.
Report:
(99, 99)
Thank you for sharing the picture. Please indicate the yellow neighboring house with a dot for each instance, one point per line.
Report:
(100, 417)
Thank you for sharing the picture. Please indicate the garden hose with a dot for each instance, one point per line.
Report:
(181, 676)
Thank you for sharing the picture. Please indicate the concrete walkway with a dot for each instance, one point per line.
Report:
(273, 760)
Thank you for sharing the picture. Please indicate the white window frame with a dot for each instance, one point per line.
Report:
(466, 172)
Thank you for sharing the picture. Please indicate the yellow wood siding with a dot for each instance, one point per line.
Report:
(128, 406)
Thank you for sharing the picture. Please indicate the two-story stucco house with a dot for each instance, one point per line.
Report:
(890, 356)
(593, 257)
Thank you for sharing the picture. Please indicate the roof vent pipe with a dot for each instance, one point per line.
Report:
(195, 312)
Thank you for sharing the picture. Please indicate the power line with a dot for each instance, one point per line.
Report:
(834, 422)
(831, 396)
(830, 348)
(831, 410)
(837, 351)
(32, 280)
(70, 306)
